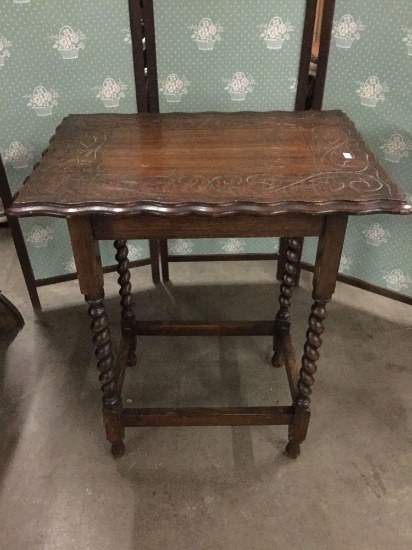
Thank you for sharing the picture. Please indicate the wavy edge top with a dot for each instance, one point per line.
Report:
(149, 207)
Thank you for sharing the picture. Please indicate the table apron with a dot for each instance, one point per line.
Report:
(192, 227)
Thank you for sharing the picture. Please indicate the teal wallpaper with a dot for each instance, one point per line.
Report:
(227, 56)
(370, 78)
(58, 58)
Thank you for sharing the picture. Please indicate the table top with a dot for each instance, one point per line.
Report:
(208, 164)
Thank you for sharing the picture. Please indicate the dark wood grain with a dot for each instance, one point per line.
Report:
(208, 175)
(136, 35)
(306, 50)
(202, 416)
(198, 328)
(324, 47)
(192, 226)
(209, 164)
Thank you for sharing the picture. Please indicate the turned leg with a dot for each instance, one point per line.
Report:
(127, 315)
(112, 404)
(324, 282)
(283, 244)
(90, 274)
(282, 323)
(297, 431)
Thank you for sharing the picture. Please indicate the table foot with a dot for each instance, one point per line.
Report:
(293, 449)
(132, 359)
(277, 359)
(118, 449)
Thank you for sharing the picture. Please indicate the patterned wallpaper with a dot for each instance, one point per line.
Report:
(370, 78)
(58, 58)
(227, 56)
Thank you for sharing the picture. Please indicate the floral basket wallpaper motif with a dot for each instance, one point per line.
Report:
(59, 58)
(346, 31)
(18, 155)
(396, 148)
(4, 50)
(111, 92)
(276, 32)
(206, 34)
(174, 88)
(376, 234)
(239, 86)
(68, 42)
(42, 101)
(371, 91)
(358, 81)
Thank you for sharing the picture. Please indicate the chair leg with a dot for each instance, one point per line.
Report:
(154, 260)
(164, 258)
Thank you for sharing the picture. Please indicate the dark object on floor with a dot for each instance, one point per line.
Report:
(10, 316)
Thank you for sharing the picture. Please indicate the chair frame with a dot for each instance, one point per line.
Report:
(300, 101)
(135, 17)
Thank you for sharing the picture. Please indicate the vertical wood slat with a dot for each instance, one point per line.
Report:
(324, 46)
(150, 39)
(307, 40)
(18, 239)
(136, 17)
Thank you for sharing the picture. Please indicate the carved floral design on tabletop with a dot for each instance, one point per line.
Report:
(135, 252)
(42, 101)
(408, 40)
(4, 50)
(111, 92)
(234, 245)
(397, 280)
(181, 246)
(376, 234)
(40, 236)
(371, 91)
(18, 154)
(345, 263)
(396, 148)
(346, 31)
(275, 33)
(206, 34)
(68, 42)
(239, 86)
(173, 88)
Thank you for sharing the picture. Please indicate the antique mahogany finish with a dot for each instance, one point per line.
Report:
(200, 175)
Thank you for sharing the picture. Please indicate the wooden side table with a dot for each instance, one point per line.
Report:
(152, 176)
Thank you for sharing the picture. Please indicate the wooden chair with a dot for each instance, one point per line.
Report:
(199, 47)
(369, 78)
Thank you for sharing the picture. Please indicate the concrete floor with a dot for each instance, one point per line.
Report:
(209, 488)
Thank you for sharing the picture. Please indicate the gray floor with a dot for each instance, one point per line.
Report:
(209, 488)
